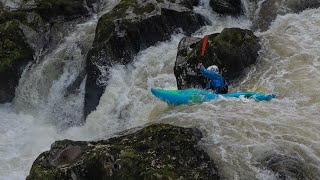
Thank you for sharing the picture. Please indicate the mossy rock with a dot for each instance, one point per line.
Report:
(15, 53)
(233, 50)
(158, 151)
(36, 24)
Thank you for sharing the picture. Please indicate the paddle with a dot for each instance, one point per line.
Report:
(204, 44)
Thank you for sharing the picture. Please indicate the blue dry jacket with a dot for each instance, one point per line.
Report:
(216, 80)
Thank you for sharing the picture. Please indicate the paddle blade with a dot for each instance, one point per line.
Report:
(204, 44)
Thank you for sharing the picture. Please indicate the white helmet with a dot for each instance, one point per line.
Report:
(213, 68)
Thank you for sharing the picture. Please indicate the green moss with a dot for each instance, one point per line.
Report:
(128, 153)
(230, 37)
(39, 173)
(13, 47)
(120, 9)
(163, 173)
(145, 9)
(8, 16)
(40, 170)
(17, 16)
(62, 143)
(7, 60)
(105, 27)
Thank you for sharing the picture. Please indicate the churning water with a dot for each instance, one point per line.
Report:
(246, 139)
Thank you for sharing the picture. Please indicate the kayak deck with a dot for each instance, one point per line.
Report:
(187, 96)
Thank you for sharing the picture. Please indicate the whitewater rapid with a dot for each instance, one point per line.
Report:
(239, 134)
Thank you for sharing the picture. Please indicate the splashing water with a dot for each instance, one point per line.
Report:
(240, 135)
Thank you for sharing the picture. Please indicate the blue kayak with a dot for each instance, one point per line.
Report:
(189, 96)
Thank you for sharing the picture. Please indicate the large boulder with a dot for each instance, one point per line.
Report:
(227, 7)
(132, 26)
(232, 51)
(155, 152)
(268, 10)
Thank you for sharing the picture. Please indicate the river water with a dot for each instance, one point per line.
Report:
(240, 135)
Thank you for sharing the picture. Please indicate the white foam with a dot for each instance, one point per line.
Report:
(236, 132)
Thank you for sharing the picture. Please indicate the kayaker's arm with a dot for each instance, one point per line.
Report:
(209, 74)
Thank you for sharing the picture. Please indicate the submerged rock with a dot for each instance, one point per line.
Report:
(268, 10)
(232, 51)
(132, 26)
(227, 7)
(155, 152)
(284, 166)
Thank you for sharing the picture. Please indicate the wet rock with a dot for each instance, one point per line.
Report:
(155, 152)
(268, 10)
(232, 51)
(53, 10)
(284, 166)
(227, 7)
(15, 53)
(1, 7)
(67, 10)
(130, 27)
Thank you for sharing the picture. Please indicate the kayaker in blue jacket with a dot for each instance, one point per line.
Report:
(217, 83)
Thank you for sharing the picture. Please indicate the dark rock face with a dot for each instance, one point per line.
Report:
(1, 7)
(71, 9)
(15, 53)
(130, 27)
(270, 9)
(227, 7)
(232, 51)
(156, 152)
